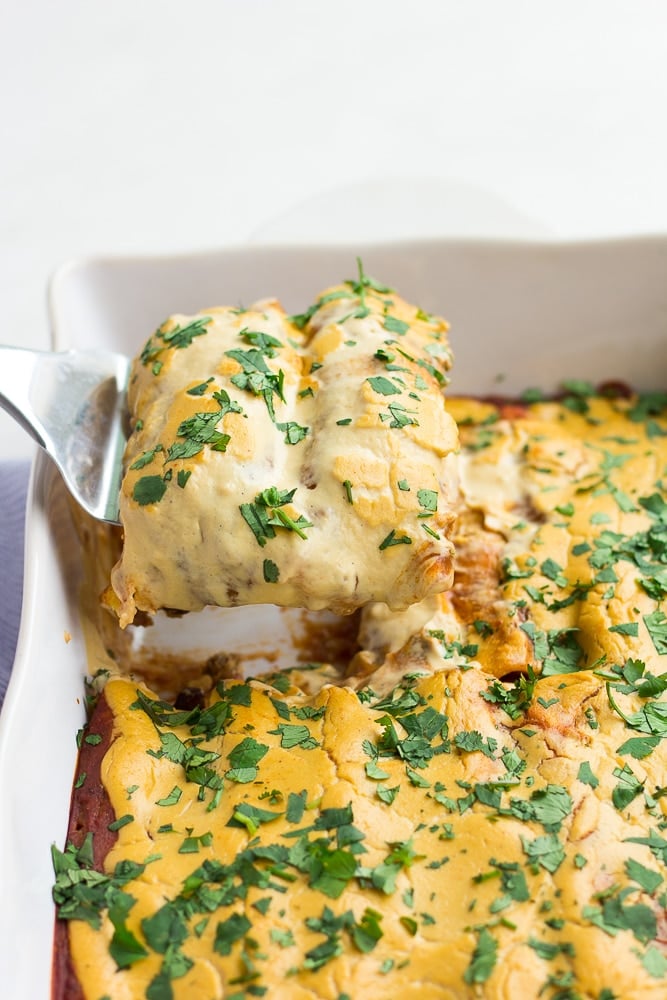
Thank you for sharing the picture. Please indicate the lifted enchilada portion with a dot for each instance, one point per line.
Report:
(302, 461)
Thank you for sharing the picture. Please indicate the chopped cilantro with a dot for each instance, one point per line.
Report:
(124, 947)
(171, 799)
(483, 628)
(586, 776)
(229, 931)
(387, 795)
(399, 416)
(267, 513)
(472, 740)
(483, 959)
(244, 759)
(252, 817)
(199, 390)
(296, 805)
(283, 938)
(639, 746)
(626, 628)
(549, 950)
(515, 699)
(202, 429)
(146, 458)
(271, 571)
(645, 877)
(394, 325)
(119, 823)
(179, 337)
(655, 962)
(375, 772)
(648, 404)
(149, 489)
(394, 539)
(627, 789)
(367, 932)
(383, 386)
(545, 851)
(428, 500)
(615, 915)
(656, 623)
(294, 736)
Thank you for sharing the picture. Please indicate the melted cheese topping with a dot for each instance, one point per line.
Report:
(491, 865)
(443, 835)
(558, 546)
(305, 464)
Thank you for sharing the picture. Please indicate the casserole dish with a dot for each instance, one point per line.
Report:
(521, 314)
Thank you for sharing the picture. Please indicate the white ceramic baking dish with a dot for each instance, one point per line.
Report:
(522, 314)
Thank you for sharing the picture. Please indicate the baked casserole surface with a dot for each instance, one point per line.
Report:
(473, 807)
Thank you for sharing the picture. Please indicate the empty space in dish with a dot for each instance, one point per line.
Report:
(522, 315)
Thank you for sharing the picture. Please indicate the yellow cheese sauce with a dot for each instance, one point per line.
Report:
(558, 543)
(422, 850)
(478, 813)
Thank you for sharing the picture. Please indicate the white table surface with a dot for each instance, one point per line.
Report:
(157, 126)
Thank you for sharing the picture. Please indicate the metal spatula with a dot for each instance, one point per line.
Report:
(73, 405)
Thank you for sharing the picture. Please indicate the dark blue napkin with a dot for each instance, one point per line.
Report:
(13, 489)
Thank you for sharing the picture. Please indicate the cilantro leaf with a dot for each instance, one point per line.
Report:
(546, 851)
(473, 740)
(656, 623)
(586, 776)
(639, 746)
(266, 514)
(647, 879)
(294, 736)
(294, 432)
(229, 931)
(399, 416)
(179, 337)
(514, 699)
(252, 817)
(428, 500)
(627, 789)
(656, 844)
(614, 915)
(387, 795)
(149, 489)
(244, 759)
(165, 928)
(483, 959)
(394, 325)
(124, 947)
(394, 539)
(146, 458)
(383, 386)
(264, 342)
(367, 932)
(271, 571)
(654, 962)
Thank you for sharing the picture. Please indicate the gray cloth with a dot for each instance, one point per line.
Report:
(13, 489)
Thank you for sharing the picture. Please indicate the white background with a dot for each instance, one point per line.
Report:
(144, 126)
